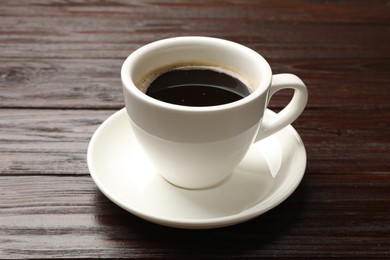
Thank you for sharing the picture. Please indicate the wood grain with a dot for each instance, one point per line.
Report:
(345, 141)
(46, 141)
(70, 218)
(55, 141)
(107, 29)
(61, 84)
(90, 83)
(340, 52)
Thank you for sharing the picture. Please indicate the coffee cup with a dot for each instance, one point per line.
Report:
(197, 146)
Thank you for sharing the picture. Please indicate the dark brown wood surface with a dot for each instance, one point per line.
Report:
(59, 79)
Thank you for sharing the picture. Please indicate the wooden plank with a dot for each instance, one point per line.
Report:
(341, 52)
(39, 215)
(55, 141)
(46, 141)
(95, 83)
(61, 84)
(111, 29)
(346, 141)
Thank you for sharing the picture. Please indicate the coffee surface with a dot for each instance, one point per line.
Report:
(197, 87)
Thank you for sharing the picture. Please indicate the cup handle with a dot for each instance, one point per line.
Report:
(291, 112)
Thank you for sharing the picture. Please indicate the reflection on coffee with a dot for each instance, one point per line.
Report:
(196, 86)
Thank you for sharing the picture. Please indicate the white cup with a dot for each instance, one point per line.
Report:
(199, 147)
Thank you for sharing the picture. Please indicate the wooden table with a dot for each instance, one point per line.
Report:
(60, 78)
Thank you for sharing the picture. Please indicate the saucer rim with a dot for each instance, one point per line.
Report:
(267, 204)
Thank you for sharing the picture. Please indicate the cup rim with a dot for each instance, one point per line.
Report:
(127, 82)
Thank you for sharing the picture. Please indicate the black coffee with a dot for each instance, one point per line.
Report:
(197, 87)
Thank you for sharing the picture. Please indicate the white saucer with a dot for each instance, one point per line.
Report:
(269, 173)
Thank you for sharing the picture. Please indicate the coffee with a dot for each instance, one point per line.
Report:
(197, 86)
